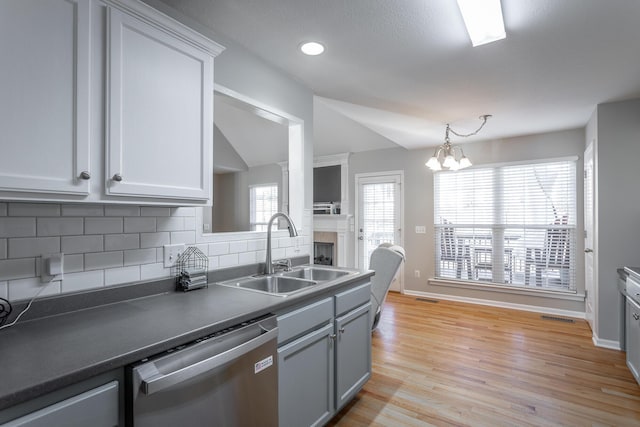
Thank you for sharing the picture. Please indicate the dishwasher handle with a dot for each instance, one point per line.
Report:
(153, 381)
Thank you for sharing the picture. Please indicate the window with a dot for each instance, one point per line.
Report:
(263, 204)
(508, 224)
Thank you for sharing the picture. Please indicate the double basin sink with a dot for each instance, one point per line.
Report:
(288, 282)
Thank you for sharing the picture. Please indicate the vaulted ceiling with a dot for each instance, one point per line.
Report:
(399, 70)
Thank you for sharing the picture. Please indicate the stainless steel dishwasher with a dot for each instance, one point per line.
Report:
(229, 378)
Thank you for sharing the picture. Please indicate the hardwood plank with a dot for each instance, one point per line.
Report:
(457, 364)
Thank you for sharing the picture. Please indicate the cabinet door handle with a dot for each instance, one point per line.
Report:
(333, 337)
(635, 316)
(85, 175)
(342, 330)
(117, 177)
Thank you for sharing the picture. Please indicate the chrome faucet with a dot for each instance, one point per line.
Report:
(268, 265)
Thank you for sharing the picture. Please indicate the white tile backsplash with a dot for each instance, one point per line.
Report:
(82, 210)
(140, 256)
(4, 288)
(17, 227)
(114, 276)
(170, 224)
(154, 240)
(186, 237)
(221, 248)
(60, 226)
(33, 209)
(102, 260)
(121, 210)
(154, 271)
(83, 281)
(146, 224)
(108, 245)
(80, 244)
(104, 225)
(228, 260)
(33, 246)
(239, 246)
(28, 288)
(115, 242)
(73, 263)
(182, 211)
(153, 211)
(17, 268)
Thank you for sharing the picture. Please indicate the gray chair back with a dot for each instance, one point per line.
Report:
(385, 260)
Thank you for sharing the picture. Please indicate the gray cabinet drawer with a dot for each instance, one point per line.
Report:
(97, 408)
(353, 298)
(297, 322)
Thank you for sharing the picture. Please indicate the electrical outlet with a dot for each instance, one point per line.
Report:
(416, 274)
(171, 254)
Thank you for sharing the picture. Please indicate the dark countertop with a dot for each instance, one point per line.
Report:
(42, 355)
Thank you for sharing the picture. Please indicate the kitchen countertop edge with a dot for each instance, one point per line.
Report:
(139, 309)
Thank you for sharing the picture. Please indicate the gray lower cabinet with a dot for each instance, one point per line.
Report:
(633, 338)
(324, 356)
(353, 353)
(305, 386)
(97, 407)
(95, 402)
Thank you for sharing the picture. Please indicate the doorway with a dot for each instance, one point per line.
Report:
(379, 213)
(589, 234)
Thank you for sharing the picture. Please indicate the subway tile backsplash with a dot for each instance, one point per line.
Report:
(107, 245)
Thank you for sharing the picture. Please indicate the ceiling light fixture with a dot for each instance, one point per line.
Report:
(483, 19)
(448, 151)
(312, 48)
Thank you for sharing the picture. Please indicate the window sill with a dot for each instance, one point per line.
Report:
(505, 289)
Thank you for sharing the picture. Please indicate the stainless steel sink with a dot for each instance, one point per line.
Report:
(274, 285)
(316, 273)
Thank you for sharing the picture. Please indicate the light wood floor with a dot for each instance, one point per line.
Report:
(456, 364)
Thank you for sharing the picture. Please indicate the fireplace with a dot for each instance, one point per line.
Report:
(323, 253)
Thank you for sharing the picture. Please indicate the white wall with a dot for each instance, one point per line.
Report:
(418, 202)
(615, 127)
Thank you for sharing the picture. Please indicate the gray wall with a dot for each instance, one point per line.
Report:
(615, 127)
(232, 189)
(418, 203)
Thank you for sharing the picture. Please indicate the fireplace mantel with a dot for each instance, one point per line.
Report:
(339, 224)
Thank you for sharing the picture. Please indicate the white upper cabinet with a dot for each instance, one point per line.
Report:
(44, 101)
(159, 116)
(104, 101)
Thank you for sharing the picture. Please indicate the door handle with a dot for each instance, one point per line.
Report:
(588, 250)
(154, 381)
(360, 238)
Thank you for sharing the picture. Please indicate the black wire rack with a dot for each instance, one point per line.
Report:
(190, 270)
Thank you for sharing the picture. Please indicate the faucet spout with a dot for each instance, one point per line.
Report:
(268, 265)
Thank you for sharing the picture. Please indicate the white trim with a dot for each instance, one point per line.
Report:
(611, 344)
(372, 177)
(500, 304)
(505, 289)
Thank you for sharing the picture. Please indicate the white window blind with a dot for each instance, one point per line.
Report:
(263, 204)
(378, 217)
(510, 224)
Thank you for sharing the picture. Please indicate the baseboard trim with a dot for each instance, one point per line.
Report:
(501, 304)
(611, 344)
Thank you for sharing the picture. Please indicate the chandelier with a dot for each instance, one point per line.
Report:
(449, 156)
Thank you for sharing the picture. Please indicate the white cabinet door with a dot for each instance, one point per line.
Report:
(44, 86)
(159, 112)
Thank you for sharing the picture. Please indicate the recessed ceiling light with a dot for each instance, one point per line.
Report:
(483, 19)
(312, 48)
